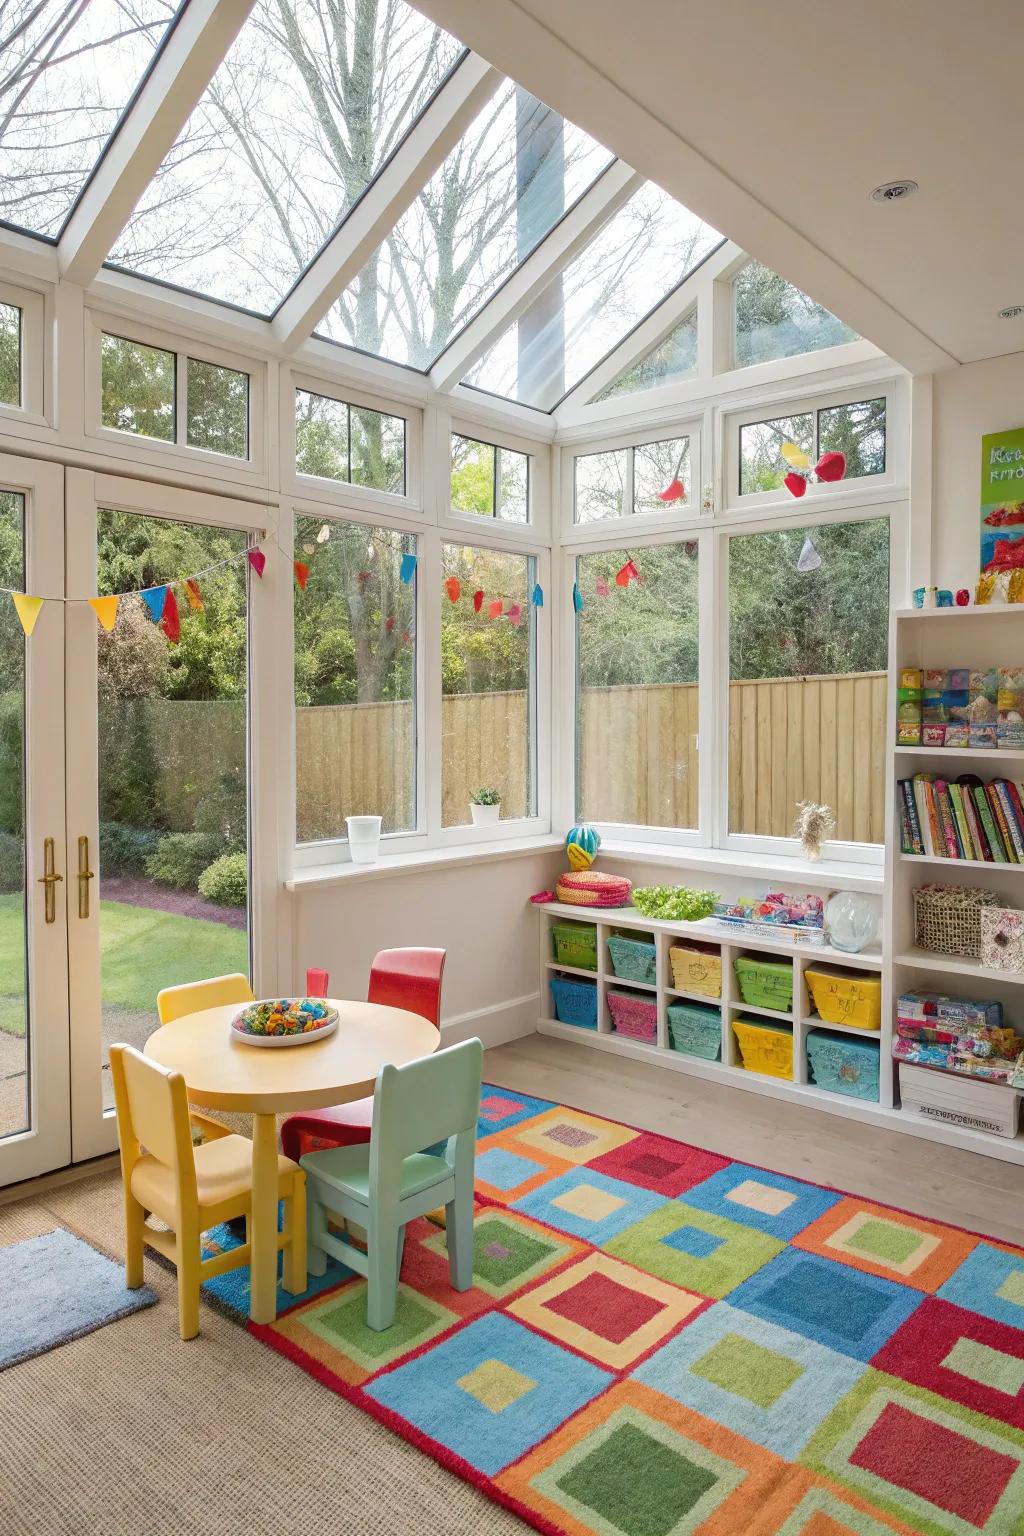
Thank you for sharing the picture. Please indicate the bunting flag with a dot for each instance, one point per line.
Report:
(301, 574)
(537, 598)
(195, 597)
(691, 547)
(795, 457)
(453, 586)
(478, 601)
(601, 587)
(405, 637)
(407, 569)
(153, 597)
(577, 598)
(28, 610)
(627, 574)
(324, 534)
(494, 609)
(390, 624)
(515, 615)
(170, 621)
(831, 465)
(105, 609)
(257, 559)
(675, 491)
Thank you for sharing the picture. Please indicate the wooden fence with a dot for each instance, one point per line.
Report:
(790, 739)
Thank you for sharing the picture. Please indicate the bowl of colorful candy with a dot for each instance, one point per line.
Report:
(285, 1021)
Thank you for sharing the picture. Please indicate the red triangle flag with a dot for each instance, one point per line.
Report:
(478, 601)
(494, 610)
(676, 491)
(795, 484)
(831, 465)
(301, 574)
(627, 574)
(453, 586)
(170, 621)
(257, 559)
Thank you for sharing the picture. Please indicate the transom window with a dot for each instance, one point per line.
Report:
(624, 482)
(856, 430)
(352, 443)
(140, 395)
(489, 481)
(10, 354)
(773, 319)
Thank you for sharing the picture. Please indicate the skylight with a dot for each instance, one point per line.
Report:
(635, 260)
(310, 101)
(504, 186)
(672, 359)
(68, 69)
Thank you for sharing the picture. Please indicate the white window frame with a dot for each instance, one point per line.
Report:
(33, 305)
(343, 492)
(538, 519)
(631, 526)
(134, 445)
(868, 488)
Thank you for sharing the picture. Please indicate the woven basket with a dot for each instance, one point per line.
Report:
(947, 918)
(593, 888)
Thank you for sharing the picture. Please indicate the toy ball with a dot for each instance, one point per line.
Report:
(581, 845)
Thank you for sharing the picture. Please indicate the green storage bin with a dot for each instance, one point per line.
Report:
(575, 944)
(765, 983)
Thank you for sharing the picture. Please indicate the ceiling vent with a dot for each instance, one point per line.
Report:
(894, 191)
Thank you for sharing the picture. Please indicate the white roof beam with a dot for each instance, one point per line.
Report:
(434, 134)
(182, 69)
(573, 231)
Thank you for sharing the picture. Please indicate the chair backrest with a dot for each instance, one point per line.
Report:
(410, 979)
(193, 996)
(422, 1103)
(152, 1109)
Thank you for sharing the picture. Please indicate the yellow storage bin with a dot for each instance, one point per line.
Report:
(696, 968)
(846, 997)
(764, 1047)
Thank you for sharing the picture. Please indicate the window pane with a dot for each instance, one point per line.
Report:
(672, 359)
(311, 100)
(774, 319)
(472, 476)
(513, 174)
(68, 72)
(488, 660)
(513, 486)
(639, 256)
(378, 450)
(636, 706)
(808, 651)
(138, 388)
(355, 678)
(217, 407)
(600, 485)
(10, 354)
(859, 432)
(321, 436)
(15, 1011)
(661, 475)
(762, 467)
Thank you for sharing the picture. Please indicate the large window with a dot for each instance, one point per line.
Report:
(489, 481)
(774, 319)
(350, 443)
(856, 430)
(623, 482)
(139, 394)
(355, 677)
(637, 693)
(808, 651)
(488, 665)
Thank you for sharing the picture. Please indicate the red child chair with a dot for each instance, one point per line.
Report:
(399, 978)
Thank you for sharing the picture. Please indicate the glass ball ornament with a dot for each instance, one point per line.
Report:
(851, 921)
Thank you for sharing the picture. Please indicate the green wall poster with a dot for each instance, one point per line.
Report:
(1002, 500)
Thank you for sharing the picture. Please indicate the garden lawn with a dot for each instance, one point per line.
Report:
(142, 951)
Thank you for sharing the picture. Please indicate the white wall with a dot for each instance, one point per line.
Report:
(967, 402)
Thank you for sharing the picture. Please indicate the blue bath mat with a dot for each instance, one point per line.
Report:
(57, 1288)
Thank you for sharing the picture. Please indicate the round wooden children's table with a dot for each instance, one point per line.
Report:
(222, 1072)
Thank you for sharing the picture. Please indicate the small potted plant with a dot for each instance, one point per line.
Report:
(485, 807)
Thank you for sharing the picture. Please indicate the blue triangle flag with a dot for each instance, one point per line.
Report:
(577, 598)
(154, 597)
(407, 570)
(538, 596)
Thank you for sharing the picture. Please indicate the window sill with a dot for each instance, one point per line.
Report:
(830, 874)
(424, 859)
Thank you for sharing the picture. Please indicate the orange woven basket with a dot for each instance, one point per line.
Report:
(593, 888)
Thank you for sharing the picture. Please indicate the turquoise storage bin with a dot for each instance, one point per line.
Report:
(844, 1064)
(695, 1029)
(574, 1002)
(632, 959)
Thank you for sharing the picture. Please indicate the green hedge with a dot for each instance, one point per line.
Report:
(226, 881)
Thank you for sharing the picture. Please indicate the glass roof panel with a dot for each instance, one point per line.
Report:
(675, 357)
(504, 186)
(774, 319)
(310, 101)
(68, 69)
(638, 257)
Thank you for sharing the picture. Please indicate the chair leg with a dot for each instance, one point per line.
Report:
(459, 1212)
(316, 1227)
(188, 1259)
(294, 1275)
(382, 1271)
(134, 1241)
(401, 1251)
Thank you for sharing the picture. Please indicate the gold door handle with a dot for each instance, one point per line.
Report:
(48, 879)
(85, 874)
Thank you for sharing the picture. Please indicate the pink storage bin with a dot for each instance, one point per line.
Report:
(632, 1015)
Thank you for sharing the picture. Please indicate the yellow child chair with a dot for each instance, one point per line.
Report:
(193, 996)
(190, 1188)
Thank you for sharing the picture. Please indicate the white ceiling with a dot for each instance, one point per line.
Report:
(774, 121)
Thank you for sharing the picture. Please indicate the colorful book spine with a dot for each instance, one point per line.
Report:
(978, 837)
(991, 830)
(1008, 822)
(906, 835)
(947, 824)
(959, 815)
(1016, 794)
(921, 801)
(934, 828)
(915, 824)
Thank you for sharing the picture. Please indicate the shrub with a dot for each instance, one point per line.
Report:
(12, 864)
(126, 850)
(180, 858)
(226, 881)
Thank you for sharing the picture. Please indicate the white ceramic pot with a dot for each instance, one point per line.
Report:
(363, 838)
(485, 815)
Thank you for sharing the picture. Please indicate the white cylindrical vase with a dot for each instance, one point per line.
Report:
(363, 838)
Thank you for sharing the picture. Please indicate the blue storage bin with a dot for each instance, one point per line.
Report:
(632, 959)
(844, 1064)
(574, 1002)
(695, 1029)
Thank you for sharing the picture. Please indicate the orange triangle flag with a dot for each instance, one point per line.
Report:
(105, 609)
(301, 573)
(192, 592)
(28, 609)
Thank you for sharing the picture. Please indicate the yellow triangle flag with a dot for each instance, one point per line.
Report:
(28, 609)
(105, 609)
(795, 456)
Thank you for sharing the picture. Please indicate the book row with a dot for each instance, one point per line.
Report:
(962, 818)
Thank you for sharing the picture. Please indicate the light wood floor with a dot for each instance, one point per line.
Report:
(130, 1432)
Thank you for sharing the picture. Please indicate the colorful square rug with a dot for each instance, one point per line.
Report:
(661, 1342)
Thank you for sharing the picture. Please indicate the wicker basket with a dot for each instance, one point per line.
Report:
(947, 918)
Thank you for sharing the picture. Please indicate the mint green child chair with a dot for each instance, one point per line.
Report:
(385, 1184)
